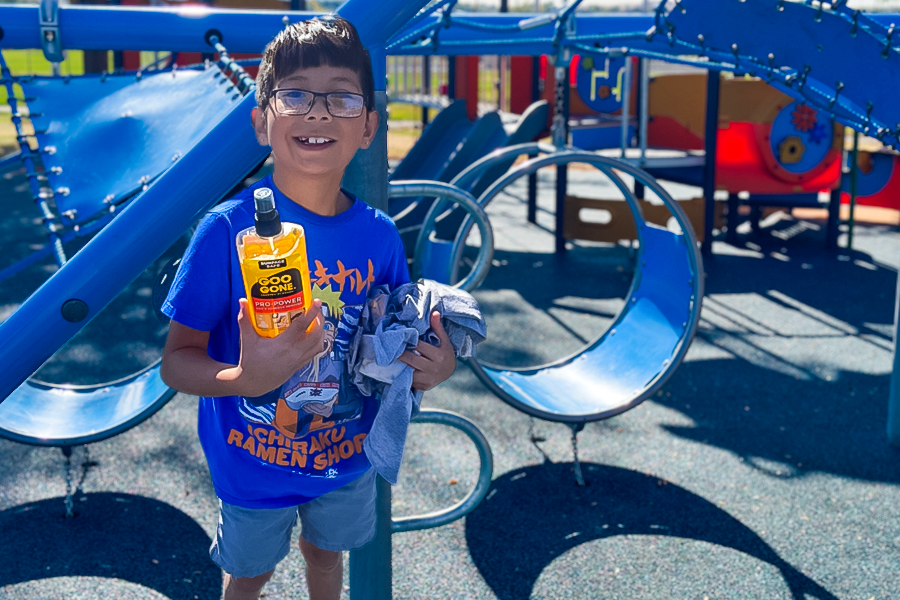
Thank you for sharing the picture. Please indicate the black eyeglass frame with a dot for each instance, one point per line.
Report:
(325, 95)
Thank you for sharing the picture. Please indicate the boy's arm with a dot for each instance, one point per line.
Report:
(264, 364)
(432, 364)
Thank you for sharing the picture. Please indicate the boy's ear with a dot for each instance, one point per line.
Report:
(260, 127)
(372, 120)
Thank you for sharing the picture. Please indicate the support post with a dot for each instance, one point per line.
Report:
(521, 83)
(525, 72)
(560, 140)
(451, 77)
(854, 170)
(643, 118)
(562, 179)
(532, 196)
(465, 77)
(366, 176)
(834, 219)
(370, 566)
(713, 84)
(626, 105)
(426, 86)
(893, 424)
(731, 220)
(532, 177)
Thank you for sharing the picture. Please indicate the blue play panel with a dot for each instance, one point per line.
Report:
(103, 138)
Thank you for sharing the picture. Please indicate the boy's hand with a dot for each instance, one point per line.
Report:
(266, 363)
(432, 364)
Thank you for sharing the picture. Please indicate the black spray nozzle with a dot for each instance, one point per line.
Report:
(266, 219)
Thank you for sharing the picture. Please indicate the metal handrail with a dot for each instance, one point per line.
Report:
(466, 505)
(467, 176)
(416, 188)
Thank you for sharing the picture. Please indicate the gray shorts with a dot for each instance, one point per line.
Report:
(250, 542)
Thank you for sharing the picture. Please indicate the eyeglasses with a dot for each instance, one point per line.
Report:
(299, 102)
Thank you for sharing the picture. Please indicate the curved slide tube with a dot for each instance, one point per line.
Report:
(649, 337)
(44, 414)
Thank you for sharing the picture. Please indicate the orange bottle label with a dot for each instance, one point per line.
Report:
(281, 291)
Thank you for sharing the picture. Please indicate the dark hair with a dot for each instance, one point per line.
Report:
(329, 40)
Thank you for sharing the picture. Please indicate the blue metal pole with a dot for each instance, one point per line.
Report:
(893, 424)
(377, 22)
(854, 170)
(124, 248)
(370, 566)
(185, 28)
(709, 169)
(561, 140)
(532, 177)
(366, 178)
(138, 28)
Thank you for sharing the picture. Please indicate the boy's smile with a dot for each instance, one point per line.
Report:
(312, 150)
(315, 141)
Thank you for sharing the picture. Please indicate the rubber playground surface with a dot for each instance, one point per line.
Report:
(760, 471)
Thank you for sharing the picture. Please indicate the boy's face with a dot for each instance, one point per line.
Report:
(317, 143)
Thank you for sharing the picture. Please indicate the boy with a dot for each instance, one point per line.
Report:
(297, 450)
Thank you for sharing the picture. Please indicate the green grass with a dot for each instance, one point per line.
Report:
(32, 62)
(403, 111)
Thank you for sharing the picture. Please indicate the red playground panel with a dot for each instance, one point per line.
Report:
(877, 180)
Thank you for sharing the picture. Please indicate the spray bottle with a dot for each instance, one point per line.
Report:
(273, 262)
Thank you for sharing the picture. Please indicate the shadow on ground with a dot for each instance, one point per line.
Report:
(820, 402)
(809, 332)
(796, 427)
(529, 515)
(133, 538)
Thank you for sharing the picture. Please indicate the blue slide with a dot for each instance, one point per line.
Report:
(450, 144)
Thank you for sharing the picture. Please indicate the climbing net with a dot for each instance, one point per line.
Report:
(65, 215)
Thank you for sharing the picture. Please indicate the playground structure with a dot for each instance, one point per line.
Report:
(225, 153)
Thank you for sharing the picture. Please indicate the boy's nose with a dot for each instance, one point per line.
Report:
(318, 110)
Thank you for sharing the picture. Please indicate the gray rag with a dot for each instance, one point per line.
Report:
(390, 324)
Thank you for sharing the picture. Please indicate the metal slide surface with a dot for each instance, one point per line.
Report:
(623, 366)
(647, 340)
(431, 155)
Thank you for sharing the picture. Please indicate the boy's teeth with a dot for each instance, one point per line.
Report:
(315, 140)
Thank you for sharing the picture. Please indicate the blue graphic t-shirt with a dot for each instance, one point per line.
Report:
(305, 439)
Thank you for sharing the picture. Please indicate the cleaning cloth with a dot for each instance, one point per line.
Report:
(390, 324)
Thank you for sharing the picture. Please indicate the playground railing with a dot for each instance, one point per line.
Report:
(431, 256)
(370, 566)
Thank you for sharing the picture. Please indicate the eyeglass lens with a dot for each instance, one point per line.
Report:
(300, 102)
